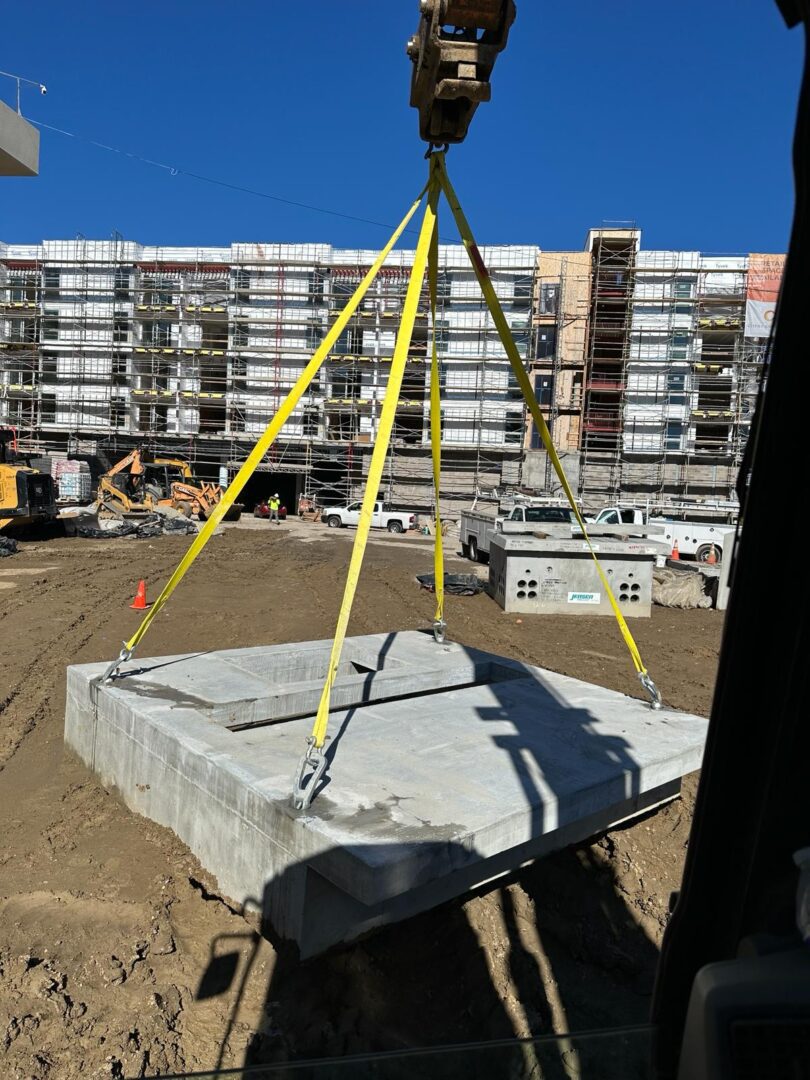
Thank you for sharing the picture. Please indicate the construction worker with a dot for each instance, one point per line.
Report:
(274, 505)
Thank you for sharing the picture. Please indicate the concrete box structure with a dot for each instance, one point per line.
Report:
(448, 767)
(536, 574)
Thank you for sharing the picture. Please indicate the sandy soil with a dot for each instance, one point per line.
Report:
(107, 922)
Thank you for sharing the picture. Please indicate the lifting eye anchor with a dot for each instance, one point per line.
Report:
(439, 627)
(651, 689)
(123, 656)
(304, 789)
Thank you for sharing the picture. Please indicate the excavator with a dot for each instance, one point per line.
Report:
(26, 494)
(141, 484)
(184, 491)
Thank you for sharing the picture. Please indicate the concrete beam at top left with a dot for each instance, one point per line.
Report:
(19, 144)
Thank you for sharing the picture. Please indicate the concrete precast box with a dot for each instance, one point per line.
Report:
(449, 767)
(544, 575)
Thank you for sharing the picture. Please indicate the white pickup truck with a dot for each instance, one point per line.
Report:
(693, 537)
(383, 517)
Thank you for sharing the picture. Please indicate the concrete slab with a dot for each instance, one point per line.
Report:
(449, 766)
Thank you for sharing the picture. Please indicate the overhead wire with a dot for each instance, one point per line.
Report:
(176, 170)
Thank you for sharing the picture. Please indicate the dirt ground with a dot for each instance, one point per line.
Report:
(107, 921)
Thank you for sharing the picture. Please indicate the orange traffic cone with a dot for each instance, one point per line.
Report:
(711, 558)
(139, 603)
(675, 553)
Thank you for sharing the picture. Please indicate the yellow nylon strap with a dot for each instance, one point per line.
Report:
(274, 427)
(436, 425)
(378, 455)
(524, 382)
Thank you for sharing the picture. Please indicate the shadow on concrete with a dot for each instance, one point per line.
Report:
(552, 947)
(334, 742)
(131, 672)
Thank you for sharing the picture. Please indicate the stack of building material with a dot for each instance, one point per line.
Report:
(73, 481)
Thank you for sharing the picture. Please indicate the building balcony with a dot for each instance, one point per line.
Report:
(81, 374)
(599, 358)
(19, 305)
(612, 293)
(348, 403)
(611, 326)
(28, 344)
(719, 294)
(420, 315)
(605, 422)
(720, 416)
(175, 350)
(719, 322)
(20, 391)
(606, 383)
(188, 397)
(713, 370)
(149, 395)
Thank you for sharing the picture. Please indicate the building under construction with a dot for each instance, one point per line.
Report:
(649, 364)
(640, 361)
(110, 344)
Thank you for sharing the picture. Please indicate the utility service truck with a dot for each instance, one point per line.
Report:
(692, 537)
(478, 527)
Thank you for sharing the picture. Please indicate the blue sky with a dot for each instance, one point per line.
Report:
(676, 116)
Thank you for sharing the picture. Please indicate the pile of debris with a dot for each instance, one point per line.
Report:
(454, 584)
(90, 526)
(681, 588)
(7, 547)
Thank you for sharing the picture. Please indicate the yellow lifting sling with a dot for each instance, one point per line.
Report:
(313, 764)
(263, 445)
(439, 624)
(502, 326)
(426, 258)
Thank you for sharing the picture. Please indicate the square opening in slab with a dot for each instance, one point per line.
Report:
(360, 669)
(304, 665)
(359, 685)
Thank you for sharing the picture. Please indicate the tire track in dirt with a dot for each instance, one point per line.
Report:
(45, 586)
(45, 669)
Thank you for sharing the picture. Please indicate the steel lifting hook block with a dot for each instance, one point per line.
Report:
(453, 52)
(304, 788)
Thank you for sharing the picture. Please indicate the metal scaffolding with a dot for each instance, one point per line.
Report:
(639, 360)
(108, 344)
